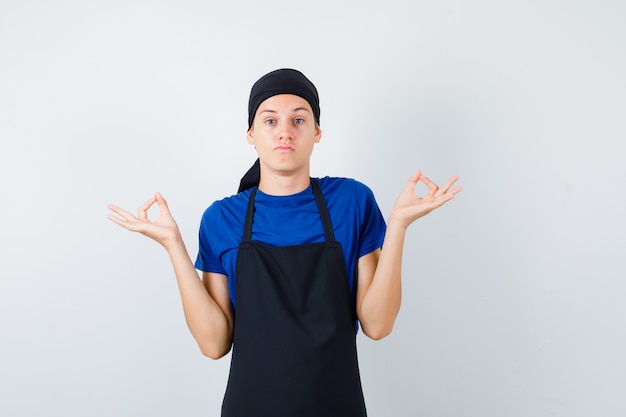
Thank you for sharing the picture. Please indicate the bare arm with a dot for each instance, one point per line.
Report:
(206, 302)
(379, 290)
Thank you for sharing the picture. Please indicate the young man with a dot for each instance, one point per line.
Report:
(290, 265)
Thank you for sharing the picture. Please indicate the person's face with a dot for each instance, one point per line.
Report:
(284, 132)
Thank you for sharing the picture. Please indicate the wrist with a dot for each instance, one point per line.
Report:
(174, 244)
(397, 221)
(395, 224)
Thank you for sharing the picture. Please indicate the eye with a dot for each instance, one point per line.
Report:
(298, 121)
(270, 122)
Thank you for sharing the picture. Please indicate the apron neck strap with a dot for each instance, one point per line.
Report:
(247, 226)
(321, 206)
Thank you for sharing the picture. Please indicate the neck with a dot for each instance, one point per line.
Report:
(276, 184)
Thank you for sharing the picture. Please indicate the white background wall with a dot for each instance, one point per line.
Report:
(514, 293)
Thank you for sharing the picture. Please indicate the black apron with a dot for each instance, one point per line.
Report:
(294, 347)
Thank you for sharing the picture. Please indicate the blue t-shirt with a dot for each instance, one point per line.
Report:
(291, 220)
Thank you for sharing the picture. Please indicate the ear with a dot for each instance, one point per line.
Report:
(318, 133)
(250, 136)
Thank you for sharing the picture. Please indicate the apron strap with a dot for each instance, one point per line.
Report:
(247, 226)
(321, 206)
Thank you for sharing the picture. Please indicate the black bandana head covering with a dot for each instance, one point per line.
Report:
(281, 81)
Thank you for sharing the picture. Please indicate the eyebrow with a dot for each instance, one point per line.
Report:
(274, 111)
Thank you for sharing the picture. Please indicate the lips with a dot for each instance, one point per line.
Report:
(284, 148)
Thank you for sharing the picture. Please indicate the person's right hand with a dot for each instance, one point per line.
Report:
(163, 230)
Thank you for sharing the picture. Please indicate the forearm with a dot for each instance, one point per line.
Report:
(207, 322)
(381, 299)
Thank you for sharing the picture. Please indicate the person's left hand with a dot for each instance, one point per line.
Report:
(410, 207)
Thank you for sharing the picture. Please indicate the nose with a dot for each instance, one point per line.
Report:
(286, 133)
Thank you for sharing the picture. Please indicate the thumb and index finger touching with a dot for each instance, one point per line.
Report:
(433, 188)
(160, 202)
(123, 217)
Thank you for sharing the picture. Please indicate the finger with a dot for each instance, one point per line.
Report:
(116, 220)
(122, 222)
(456, 190)
(444, 198)
(416, 177)
(410, 185)
(432, 187)
(163, 207)
(449, 184)
(143, 210)
(122, 213)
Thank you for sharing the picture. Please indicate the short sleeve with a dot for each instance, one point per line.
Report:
(373, 227)
(207, 260)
